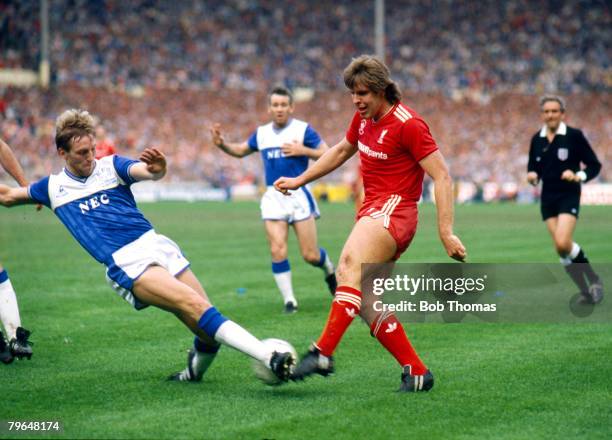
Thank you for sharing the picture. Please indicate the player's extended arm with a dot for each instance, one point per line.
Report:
(152, 165)
(298, 149)
(10, 164)
(232, 148)
(435, 166)
(14, 196)
(332, 159)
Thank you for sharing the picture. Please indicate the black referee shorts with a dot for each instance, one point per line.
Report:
(555, 203)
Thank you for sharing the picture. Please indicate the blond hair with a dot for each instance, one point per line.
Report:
(72, 125)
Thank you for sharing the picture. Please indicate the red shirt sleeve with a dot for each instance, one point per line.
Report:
(352, 134)
(417, 139)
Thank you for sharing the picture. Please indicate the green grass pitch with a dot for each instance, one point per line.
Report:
(100, 367)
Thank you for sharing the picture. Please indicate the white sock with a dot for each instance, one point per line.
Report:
(328, 266)
(575, 251)
(283, 281)
(9, 312)
(231, 334)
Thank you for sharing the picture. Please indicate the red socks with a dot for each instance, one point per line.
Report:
(345, 306)
(390, 333)
(386, 328)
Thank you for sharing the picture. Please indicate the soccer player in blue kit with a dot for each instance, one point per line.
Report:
(94, 201)
(286, 145)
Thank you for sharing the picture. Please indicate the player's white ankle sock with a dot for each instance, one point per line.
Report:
(227, 332)
(574, 252)
(230, 333)
(283, 281)
(282, 276)
(9, 312)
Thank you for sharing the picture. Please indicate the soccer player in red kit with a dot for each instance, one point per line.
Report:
(104, 145)
(395, 150)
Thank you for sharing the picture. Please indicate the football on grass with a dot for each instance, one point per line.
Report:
(262, 372)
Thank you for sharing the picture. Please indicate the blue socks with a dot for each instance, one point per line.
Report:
(210, 321)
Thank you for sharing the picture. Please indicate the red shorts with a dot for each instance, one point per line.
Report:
(400, 218)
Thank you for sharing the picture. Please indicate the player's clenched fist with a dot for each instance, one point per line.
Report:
(454, 248)
(285, 184)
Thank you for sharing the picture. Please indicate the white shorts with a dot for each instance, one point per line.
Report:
(297, 206)
(150, 249)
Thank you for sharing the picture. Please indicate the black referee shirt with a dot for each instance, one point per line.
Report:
(567, 151)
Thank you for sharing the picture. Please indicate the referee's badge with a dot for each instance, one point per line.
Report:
(562, 153)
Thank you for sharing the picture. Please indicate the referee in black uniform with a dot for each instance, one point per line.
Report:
(555, 157)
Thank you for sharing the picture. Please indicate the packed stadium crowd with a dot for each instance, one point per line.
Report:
(160, 73)
(434, 45)
(481, 142)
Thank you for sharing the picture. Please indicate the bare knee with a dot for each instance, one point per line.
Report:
(563, 246)
(348, 272)
(278, 251)
(312, 256)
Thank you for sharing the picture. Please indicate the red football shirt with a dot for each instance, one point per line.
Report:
(390, 150)
(104, 148)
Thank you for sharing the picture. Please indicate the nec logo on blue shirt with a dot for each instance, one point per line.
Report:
(94, 203)
(274, 153)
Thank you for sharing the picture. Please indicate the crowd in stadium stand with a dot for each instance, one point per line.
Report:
(160, 72)
(451, 46)
(482, 142)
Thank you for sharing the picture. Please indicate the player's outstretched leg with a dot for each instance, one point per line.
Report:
(199, 359)
(5, 353)
(185, 297)
(390, 333)
(227, 332)
(318, 360)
